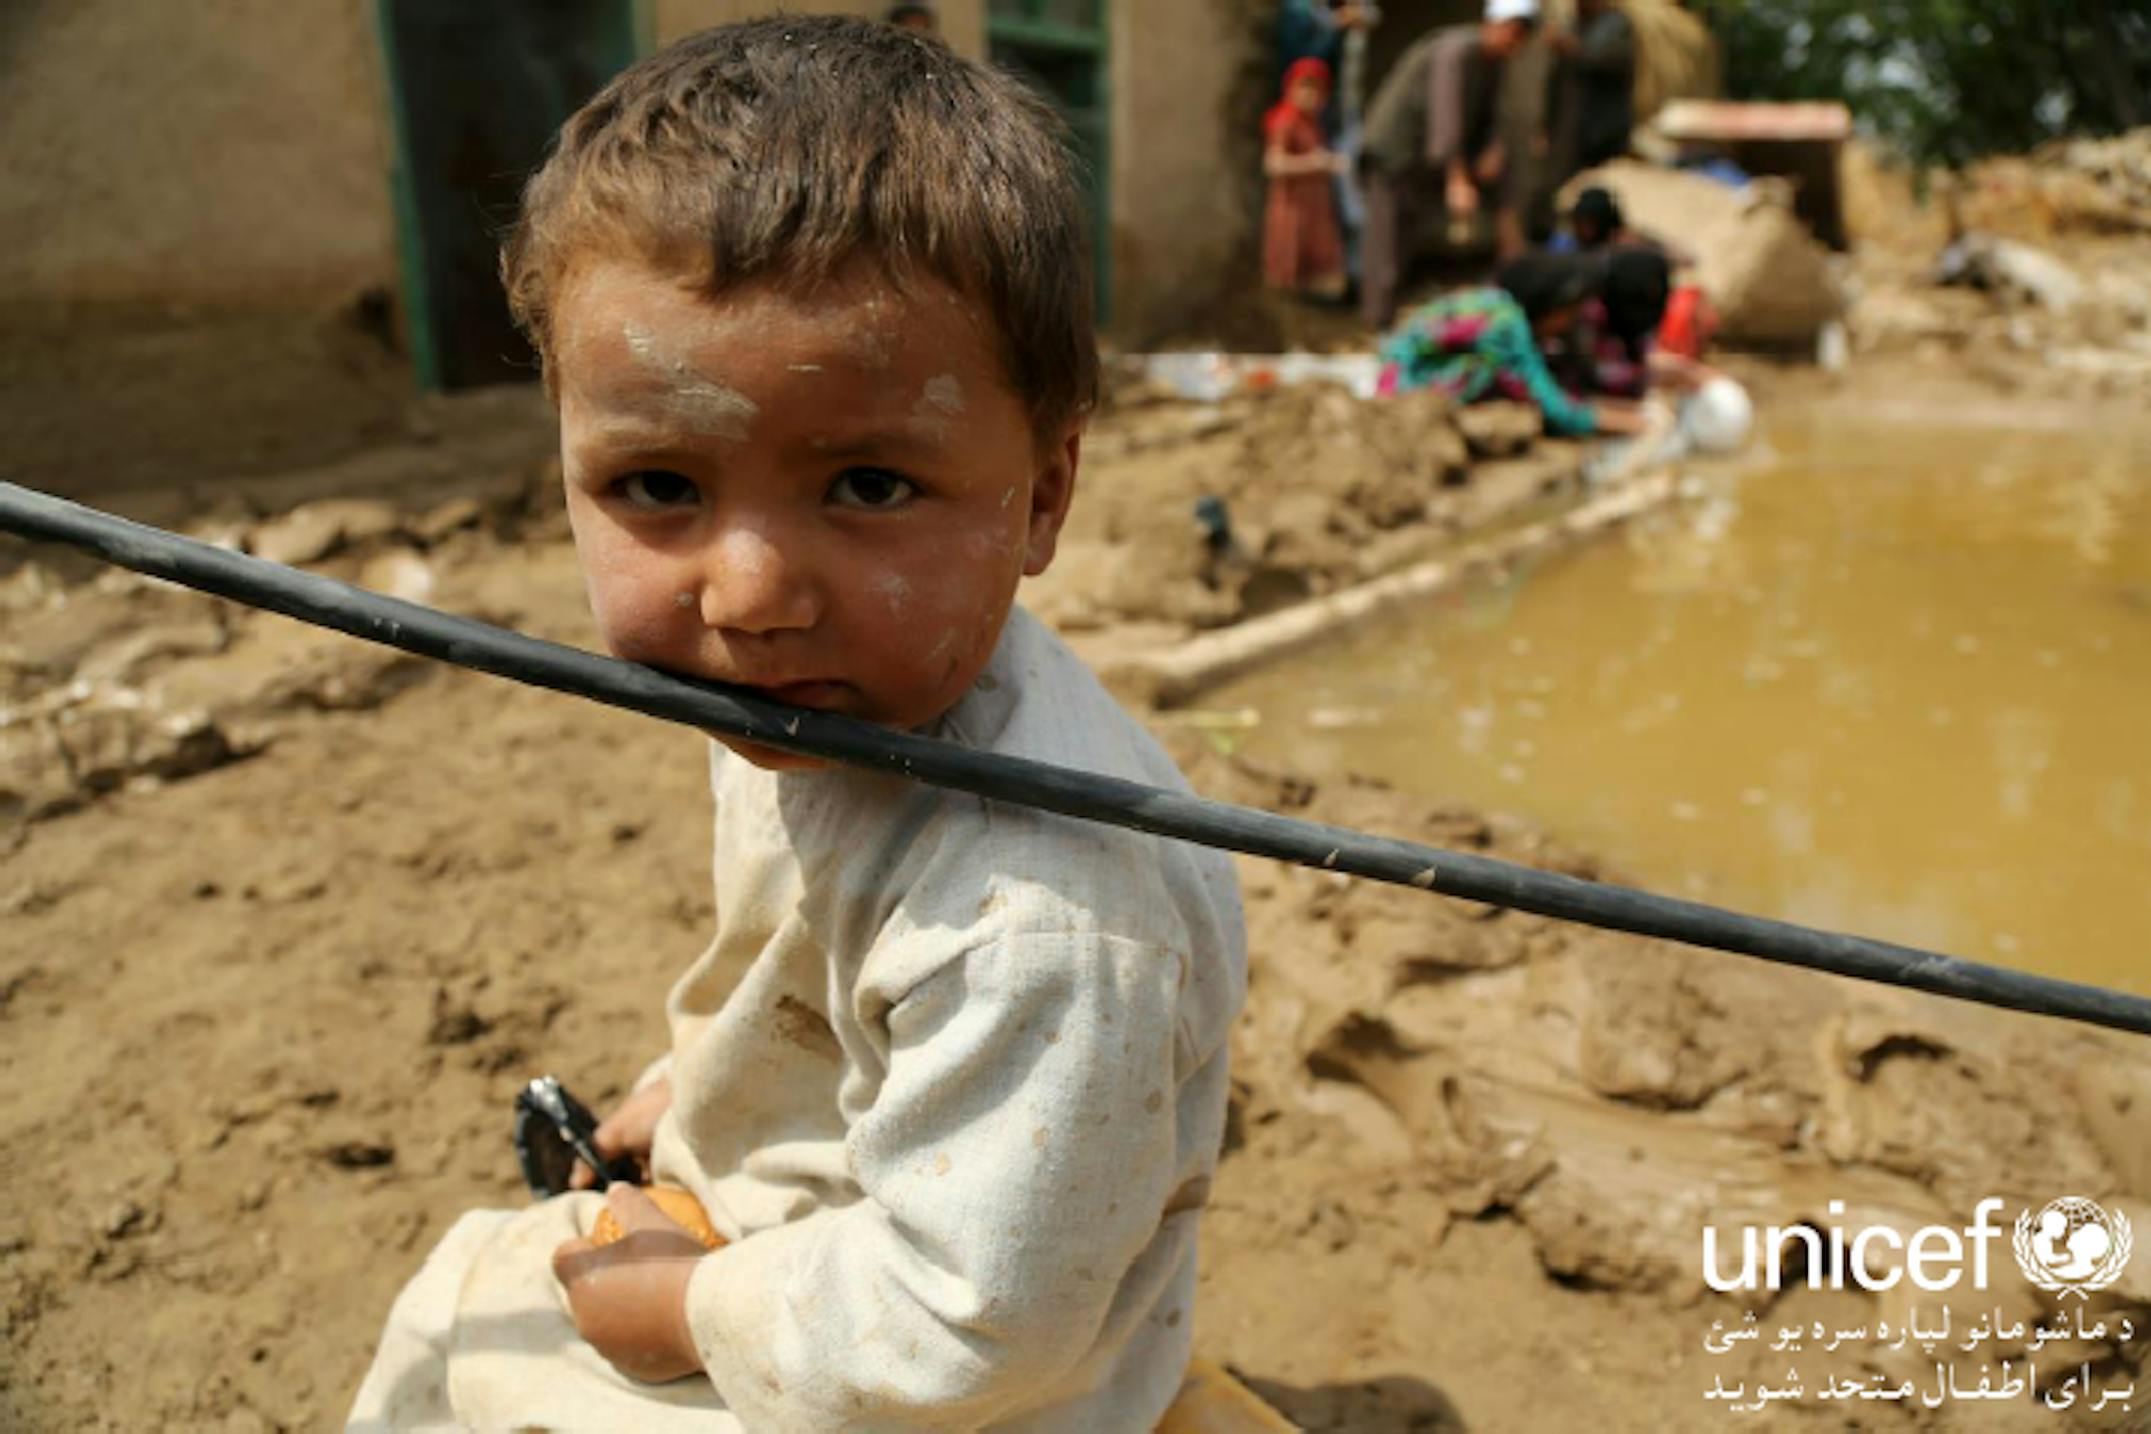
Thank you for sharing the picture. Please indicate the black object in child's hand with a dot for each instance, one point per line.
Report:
(553, 1130)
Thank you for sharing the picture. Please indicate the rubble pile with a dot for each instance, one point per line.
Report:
(122, 681)
(1200, 516)
(2041, 283)
(2076, 186)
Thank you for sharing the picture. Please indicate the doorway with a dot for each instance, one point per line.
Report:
(477, 89)
(1059, 48)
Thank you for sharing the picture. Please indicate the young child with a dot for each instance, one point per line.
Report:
(951, 1076)
(1302, 246)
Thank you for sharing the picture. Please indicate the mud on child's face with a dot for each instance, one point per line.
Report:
(830, 496)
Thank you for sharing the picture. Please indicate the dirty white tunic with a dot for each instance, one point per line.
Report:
(951, 1076)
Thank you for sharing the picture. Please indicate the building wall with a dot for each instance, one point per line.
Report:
(225, 152)
(237, 152)
(192, 152)
(1187, 95)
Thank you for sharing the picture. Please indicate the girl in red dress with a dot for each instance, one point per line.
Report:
(1302, 247)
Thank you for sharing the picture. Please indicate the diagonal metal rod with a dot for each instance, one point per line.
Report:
(740, 713)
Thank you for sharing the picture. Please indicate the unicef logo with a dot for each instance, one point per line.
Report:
(2073, 1246)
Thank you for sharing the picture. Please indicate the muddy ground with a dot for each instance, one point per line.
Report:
(287, 920)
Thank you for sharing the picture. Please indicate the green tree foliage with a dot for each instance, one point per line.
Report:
(1947, 80)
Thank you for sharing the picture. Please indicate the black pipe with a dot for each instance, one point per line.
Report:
(740, 713)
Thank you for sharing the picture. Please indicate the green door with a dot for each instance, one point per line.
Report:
(1059, 46)
(477, 89)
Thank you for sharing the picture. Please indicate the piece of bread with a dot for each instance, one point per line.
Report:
(676, 1203)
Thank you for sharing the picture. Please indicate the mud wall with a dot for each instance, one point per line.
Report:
(1186, 155)
(230, 155)
(239, 156)
(189, 153)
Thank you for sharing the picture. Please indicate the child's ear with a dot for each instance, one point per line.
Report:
(1052, 487)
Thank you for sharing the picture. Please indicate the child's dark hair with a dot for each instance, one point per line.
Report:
(783, 149)
(1596, 217)
(1543, 283)
(1638, 285)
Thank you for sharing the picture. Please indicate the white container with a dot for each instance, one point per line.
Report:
(1719, 417)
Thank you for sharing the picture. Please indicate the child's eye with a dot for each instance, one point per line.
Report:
(654, 489)
(876, 489)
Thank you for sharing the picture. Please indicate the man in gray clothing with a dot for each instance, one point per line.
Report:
(1435, 118)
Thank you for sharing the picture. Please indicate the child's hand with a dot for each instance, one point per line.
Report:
(628, 1131)
(629, 1298)
(1461, 195)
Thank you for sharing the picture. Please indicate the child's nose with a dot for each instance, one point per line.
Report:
(754, 582)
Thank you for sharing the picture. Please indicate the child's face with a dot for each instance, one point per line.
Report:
(1308, 96)
(828, 497)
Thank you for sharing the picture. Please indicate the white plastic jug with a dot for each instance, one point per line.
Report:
(1718, 418)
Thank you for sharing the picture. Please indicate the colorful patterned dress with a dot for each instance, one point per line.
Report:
(1474, 344)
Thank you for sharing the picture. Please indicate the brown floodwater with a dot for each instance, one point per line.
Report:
(1880, 677)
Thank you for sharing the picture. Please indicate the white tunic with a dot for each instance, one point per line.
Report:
(952, 1079)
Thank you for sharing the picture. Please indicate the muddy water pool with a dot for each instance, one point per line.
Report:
(1881, 676)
